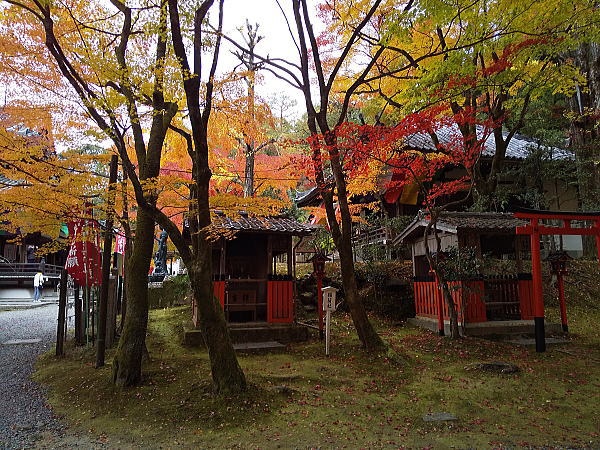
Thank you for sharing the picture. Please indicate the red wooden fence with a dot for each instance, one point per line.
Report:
(280, 301)
(280, 304)
(526, 298)
(509, 297)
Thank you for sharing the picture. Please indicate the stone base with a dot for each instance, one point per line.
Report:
(492, 328)
(253, 332)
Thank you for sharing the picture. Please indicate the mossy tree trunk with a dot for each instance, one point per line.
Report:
(127, 364)
(227, 375)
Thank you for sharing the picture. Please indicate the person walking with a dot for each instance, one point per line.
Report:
(38, 283)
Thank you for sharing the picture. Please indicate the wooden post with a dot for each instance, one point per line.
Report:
(561, 299)
(106, 260)
(538, 298)
(289, 258)
(62, 307)
(222, 257)
(269, 255)
(78, 316)
(320, 303)
(597, 223)
(518, 253)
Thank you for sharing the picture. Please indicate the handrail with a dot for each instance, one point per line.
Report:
(29, 269)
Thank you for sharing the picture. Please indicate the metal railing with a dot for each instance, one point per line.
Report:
(27, 270)
(370, 236)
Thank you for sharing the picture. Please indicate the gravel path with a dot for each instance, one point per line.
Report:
(23, 412)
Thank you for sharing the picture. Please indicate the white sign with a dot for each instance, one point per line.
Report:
(329, 305)
(329, 295)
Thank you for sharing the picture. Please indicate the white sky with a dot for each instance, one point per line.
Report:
(276, 42)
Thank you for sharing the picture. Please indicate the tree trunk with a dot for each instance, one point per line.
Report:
(454, 329)
(249, 171)
(343, 241)
(366, 333)
(127, 365)
(227, 374)
(585, 136)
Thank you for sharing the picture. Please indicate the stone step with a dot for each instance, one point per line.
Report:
(257, 347)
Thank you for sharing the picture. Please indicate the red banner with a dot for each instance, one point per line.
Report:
(120, 244)
(84, 261)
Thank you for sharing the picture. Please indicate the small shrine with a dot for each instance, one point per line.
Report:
(485, 304)
(248, 281)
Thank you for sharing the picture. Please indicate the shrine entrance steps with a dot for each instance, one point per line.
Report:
(254, 333)
(495, 328)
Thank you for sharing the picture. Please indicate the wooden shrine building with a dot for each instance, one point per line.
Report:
(486, 304)
(251, 286)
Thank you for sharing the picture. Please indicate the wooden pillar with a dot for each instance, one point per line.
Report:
(538, 297)
(289, 257)
(519, 253)
(62, 309)
(78, 316)
(597, 223)
(222, 258)
(269, 255)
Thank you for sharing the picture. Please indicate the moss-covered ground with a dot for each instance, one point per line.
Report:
(302, 399)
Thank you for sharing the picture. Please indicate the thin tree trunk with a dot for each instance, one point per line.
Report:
(366, 333)
(227, 374)
(127, 365)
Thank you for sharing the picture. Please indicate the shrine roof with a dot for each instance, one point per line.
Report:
(274, 224)
(519, 146)
(453, 222)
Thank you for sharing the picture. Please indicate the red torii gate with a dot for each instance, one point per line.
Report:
(535, 230)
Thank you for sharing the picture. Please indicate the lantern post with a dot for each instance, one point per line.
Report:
(319, 261)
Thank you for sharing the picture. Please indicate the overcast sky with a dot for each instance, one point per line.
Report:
(276, 42)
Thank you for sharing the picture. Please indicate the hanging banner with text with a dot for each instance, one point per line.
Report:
(84, 261)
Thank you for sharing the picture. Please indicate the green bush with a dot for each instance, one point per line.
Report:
(175, 291)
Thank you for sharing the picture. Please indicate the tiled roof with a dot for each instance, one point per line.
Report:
(7, 182)
(481, 221)
(244, 222)
(518, 147)
(452, 222)
(23, 131)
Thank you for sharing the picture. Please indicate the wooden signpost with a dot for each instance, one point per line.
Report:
(329, 305)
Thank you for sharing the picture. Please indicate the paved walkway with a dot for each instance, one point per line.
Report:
(23, 413)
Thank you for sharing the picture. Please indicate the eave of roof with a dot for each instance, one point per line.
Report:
(453, 222)
(272, 224)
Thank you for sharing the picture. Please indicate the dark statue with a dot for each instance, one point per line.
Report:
(160, 257)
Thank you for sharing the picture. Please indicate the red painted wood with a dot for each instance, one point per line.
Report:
(270, 299)
(219, 290)
(557, 216)
(527, 229)
(280, 306)
(526, 299)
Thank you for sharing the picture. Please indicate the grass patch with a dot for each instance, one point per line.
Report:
(350, 399)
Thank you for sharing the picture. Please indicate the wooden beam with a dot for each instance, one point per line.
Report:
(528, 229)
(269, 255)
